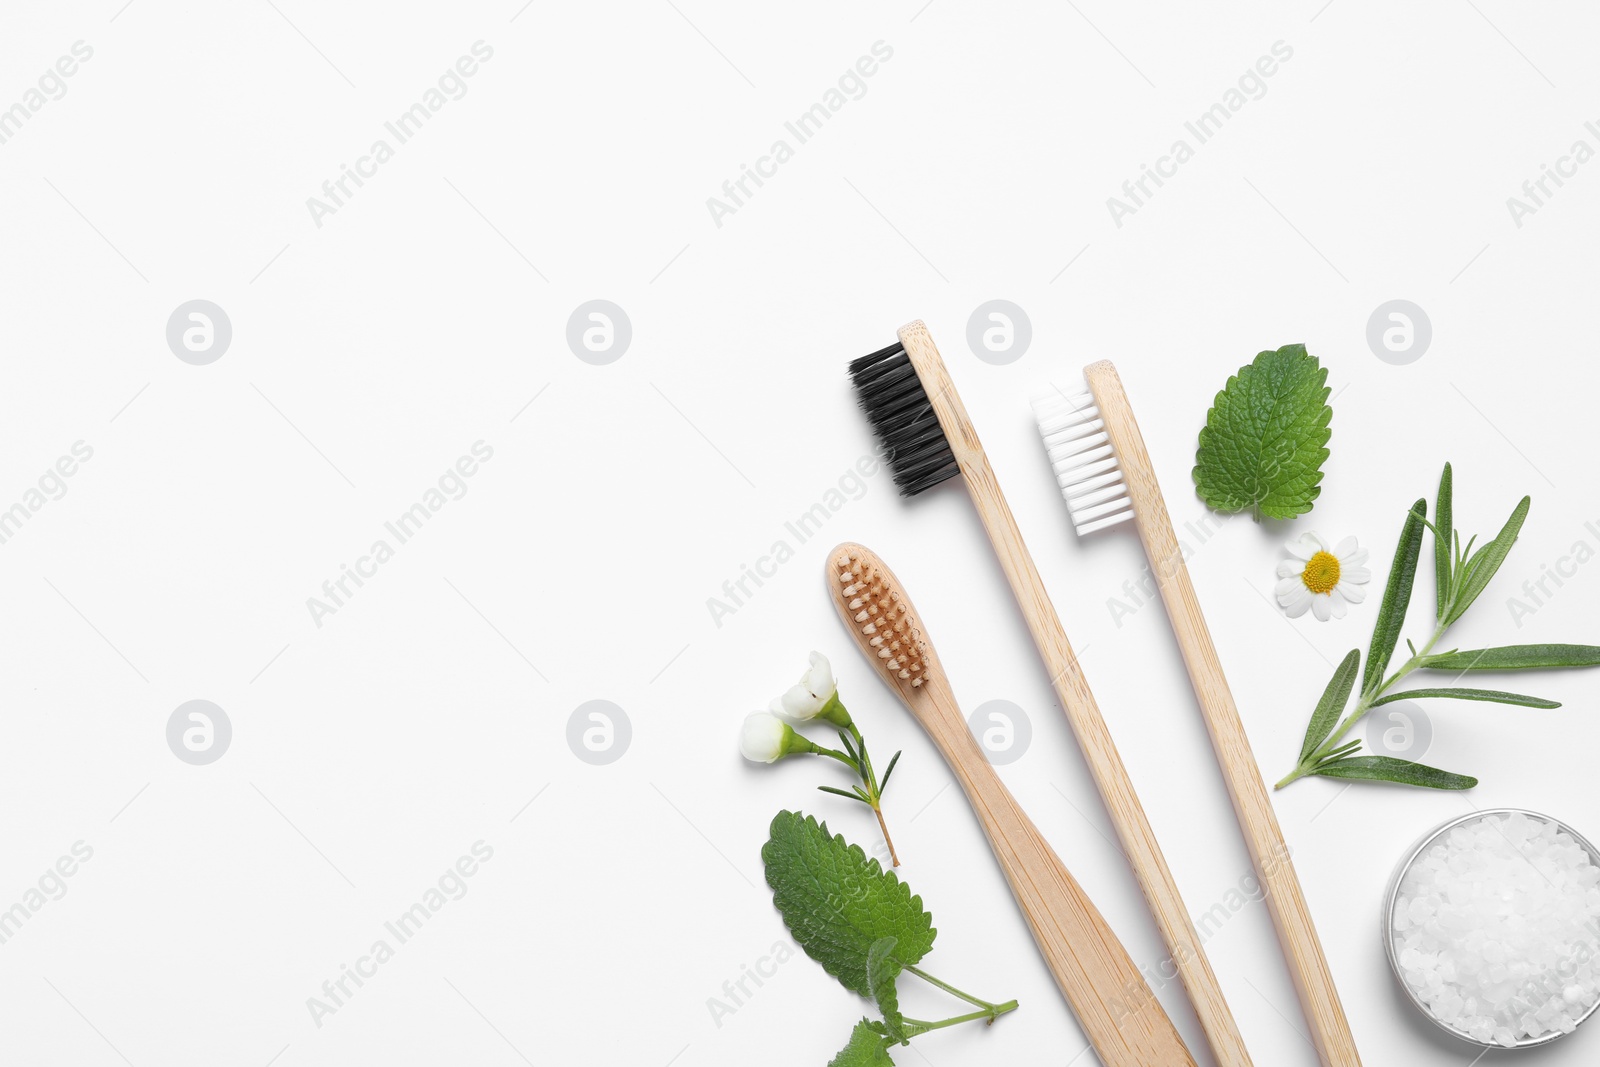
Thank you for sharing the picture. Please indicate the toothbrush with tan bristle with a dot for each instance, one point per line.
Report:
(1091, 967)
(913, 405)
(1105, 474)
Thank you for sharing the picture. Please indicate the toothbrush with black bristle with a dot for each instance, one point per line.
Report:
(912, 404)
(1100, 462)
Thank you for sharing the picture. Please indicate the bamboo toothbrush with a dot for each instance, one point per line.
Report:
(1105, 474)
(1090, 965)
(913, 405)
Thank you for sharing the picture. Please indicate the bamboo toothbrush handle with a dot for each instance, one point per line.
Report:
(1121, 1017)
(1100, 752)
(1124, 1022)
(1314, 982)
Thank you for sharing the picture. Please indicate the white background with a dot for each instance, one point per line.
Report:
(370, 352)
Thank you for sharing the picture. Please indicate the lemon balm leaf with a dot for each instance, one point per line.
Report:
(1262, 447)
(837, 902)
(866, 1049)
(882, 970)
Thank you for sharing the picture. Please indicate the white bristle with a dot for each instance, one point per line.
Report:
(1075, 472)
(1081, 504)
(1084, 463)
(1076, 457)
(1110, 477)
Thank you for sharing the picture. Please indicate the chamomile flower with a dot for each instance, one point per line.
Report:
(1325, 580)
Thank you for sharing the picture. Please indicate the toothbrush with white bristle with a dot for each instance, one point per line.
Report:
(909, 398)
(1082, 458)
(1105, 474)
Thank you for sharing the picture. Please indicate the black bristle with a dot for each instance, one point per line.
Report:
(891, 394)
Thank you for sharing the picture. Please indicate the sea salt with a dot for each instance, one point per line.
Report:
(1497, 929)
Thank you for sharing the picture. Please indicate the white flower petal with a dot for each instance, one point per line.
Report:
(805, 700)
(799, 703)
(818, 680)
(1290, 588)
(761, 739)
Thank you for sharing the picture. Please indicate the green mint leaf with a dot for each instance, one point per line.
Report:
(1389, 769)
(1396, 597)
(1494, 696)
(882, 970)
(837, 902)
(1262, 444)
(866, 1049)
(1486, 561)
(1331, 705)
(1443, 565)
(1515, 658)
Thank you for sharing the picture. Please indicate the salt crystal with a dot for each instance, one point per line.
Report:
(1497, 929)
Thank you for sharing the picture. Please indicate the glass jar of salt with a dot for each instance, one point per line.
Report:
(1492, 925)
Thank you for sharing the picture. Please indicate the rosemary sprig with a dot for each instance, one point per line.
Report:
(1460, 576)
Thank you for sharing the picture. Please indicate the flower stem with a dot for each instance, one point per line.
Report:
(835, 754)
(878, 811)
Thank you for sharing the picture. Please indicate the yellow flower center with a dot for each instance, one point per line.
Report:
(1321, 573)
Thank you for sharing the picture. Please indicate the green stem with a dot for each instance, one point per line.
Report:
(1364, 705)
(917, 1026)
(868, 778)
(990, 1009)
(834, 711)
(836, 754)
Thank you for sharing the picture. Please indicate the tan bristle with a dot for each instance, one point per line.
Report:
(883, 617)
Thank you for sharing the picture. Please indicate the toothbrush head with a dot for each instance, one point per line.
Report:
(1083, 460)
(874, 606)
(897, 406)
